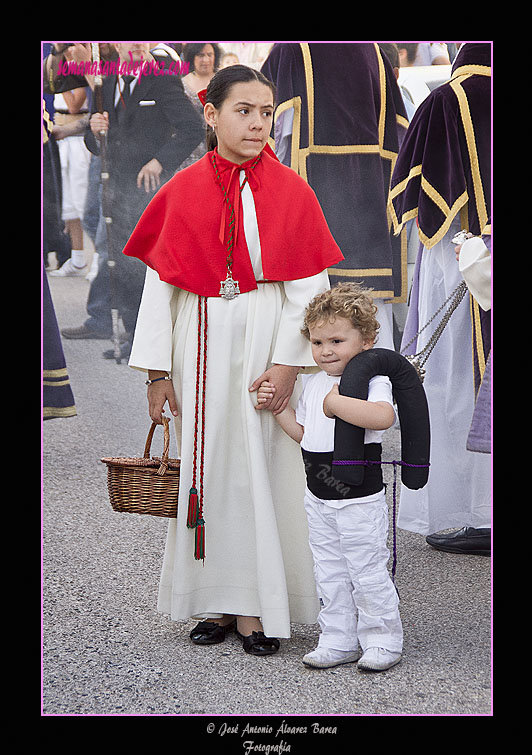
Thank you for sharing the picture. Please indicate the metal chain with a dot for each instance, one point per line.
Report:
(419, 359)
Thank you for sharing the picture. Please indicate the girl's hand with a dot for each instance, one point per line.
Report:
(328, 401)
(158, 394)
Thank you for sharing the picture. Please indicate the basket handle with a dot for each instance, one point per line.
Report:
(164, 460)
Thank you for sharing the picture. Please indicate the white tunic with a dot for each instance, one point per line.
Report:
(257, 558)
(458, 492)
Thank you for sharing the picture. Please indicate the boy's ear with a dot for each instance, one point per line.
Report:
(368, 344)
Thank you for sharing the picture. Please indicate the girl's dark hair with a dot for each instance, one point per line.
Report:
(192, 49)
(220, 86)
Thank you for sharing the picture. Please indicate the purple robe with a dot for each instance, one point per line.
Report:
(442, 179)
(454, 175)
(437, 185)
(348, 123)
(57, 396)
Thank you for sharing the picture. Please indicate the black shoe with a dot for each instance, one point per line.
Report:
(468, 540)
(84, 332)
(257, 643)
(125, 351)
(210, 633)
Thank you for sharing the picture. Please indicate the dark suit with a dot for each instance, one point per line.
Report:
(158, 122)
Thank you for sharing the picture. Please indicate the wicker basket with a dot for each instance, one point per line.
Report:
(147, 485)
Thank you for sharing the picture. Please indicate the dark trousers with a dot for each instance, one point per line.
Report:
(124, 290)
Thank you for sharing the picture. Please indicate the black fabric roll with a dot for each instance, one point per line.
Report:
(412, 408)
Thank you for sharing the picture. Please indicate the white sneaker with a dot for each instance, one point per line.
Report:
(378, 659)
(69, 270)
(326, 657)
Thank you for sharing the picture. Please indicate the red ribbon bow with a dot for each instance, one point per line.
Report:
(232, 191)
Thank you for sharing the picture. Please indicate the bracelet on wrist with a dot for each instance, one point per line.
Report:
(166, 377)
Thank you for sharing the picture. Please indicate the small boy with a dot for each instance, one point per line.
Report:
(348, 525)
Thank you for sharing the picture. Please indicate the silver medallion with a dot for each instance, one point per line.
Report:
(229, 288)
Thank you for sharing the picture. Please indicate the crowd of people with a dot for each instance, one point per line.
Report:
(249, 220)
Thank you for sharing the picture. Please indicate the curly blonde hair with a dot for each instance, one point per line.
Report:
(349, 300)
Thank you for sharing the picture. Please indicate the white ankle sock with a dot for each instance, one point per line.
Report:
(78, 257)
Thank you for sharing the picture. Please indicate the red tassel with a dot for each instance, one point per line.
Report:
(199, 549)
(193, 509)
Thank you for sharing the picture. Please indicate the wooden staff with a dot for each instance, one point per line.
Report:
(106, 203)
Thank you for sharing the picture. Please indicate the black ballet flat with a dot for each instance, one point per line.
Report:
(257, 643)
(210, 633)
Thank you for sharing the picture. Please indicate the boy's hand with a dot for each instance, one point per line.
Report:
(265, 392)
(329, 400)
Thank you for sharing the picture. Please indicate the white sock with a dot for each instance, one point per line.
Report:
(78, 257)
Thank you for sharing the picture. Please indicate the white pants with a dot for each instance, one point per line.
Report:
(359, 602)
(75, 160)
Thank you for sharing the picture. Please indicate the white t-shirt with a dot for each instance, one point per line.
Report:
(318, 433)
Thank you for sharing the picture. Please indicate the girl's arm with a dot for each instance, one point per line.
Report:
(372, 415)
(152, 345)
(287, 418)
(159, 393)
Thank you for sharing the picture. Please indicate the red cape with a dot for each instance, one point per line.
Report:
(179, 233)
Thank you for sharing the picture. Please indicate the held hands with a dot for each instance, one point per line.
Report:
(265, 393)
(275, 387)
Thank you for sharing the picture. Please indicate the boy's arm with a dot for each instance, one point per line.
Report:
(287, 418)
(372, 415)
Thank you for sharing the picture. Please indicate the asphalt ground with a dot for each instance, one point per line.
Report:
(106, 651)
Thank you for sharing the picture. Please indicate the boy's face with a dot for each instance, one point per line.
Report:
(334, 343)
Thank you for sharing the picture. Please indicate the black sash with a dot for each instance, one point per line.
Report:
(324, 482)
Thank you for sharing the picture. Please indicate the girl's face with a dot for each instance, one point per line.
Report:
(334, 343)
(243, 122)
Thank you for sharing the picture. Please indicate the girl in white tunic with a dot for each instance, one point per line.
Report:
(257, 565)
